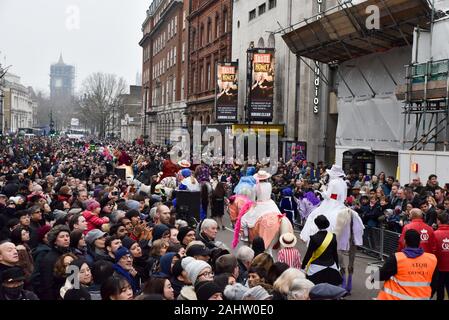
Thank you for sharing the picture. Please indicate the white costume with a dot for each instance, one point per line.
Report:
(336, 212)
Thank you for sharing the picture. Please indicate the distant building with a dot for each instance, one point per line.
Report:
(130, 114)
(164, 69)
(18, 105)
(210, 41)
(62, 81)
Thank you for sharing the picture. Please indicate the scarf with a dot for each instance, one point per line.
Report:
(128, 277)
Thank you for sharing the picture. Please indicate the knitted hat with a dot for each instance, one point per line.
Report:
(133, 204)
(54, 232)
(235, 291)
(257, 293)
(159, 230)
(206, 289)
(127, 242)
(42, 231)
(92, 205)
(122, 251)
(183, 232)
(194, 267)
(326, 291)
(59, 214)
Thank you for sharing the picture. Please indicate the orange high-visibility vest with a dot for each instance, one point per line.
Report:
(412, 281)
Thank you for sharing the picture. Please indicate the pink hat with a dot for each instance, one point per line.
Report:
(92, 205)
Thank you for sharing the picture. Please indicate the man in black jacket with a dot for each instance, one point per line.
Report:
(59, 241)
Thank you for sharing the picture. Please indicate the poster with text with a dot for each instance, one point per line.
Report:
(226, 97)
(262, 86)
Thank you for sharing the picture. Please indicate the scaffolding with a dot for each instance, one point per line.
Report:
(426, 100)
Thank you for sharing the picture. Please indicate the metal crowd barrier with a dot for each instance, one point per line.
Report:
(380, 242)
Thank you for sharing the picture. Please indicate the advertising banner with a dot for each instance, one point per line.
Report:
(226, 97)
(262, 87)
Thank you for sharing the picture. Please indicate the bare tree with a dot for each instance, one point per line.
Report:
(100, 94)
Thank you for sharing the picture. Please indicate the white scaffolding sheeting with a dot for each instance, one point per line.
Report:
(374, 122)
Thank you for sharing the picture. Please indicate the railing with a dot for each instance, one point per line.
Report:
(380, 241)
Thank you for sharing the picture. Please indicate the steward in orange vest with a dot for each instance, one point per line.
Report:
(410, 274)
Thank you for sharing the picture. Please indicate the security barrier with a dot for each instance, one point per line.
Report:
(380, 242)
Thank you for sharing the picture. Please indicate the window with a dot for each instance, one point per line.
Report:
(168, 59)
(225, 21)
(184, 20)
(182, 87)
(193, 39)
(217, 27)
(174, 89)
(183, 51)
(169, 30)
(201, 35)
(174, 55)
(163, 94)
(176, 24)
(208, 79)
(200, 81)
(271, 4)
(262, 9)
(193, 88)
(252, 14)
(209, 31)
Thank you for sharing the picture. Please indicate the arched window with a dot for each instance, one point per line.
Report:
(271, 42)
(261, 43)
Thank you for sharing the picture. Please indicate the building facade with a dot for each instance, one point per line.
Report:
(18, 105)
(164, 74)
(130, 114)
(62, 81)
(210, 42)
(262, 23)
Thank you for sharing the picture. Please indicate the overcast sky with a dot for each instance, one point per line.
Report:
(103, 37)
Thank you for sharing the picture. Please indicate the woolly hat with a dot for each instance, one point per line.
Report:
(59, 214)
(194, 267)
(326, 291)
(122, 251)
(133, 204)
(206, 289)
(257, 293)
(55, 231)
(77, 294)
(42, 231)
(235, 291)
(287, 192)
(159, 230)
(92, 205)
(127, 242)
(183, 232)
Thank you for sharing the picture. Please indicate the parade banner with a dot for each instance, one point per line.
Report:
(226, 96)
(262, 87)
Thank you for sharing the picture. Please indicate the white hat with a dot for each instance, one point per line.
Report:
(336, 171)
(288, 240)
(262, 175)
(184, 164)
(194, 267)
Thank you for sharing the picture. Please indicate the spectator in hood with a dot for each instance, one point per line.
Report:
(59, 241)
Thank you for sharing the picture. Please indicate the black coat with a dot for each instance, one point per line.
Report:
(329, 256)
(49, 285)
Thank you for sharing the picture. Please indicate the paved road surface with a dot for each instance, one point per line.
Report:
(362, 261)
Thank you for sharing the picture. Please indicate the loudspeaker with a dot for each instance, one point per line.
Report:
(188, 204)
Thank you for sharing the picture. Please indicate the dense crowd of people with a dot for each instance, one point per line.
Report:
(72, 229)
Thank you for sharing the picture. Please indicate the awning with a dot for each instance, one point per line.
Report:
(341, 35)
